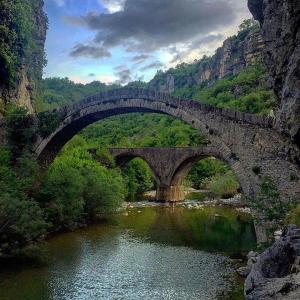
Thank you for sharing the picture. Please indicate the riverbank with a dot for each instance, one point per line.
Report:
(235, 202)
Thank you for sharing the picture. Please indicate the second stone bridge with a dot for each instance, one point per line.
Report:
(169, 166)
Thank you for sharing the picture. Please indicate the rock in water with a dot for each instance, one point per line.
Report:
(275, 274)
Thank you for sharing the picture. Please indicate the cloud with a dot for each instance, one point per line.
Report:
(92, 75)
(153, 65)
(149, 25)
(180, 55)
(124, 75)
(113, 5)
(89, 51)
(140, 58)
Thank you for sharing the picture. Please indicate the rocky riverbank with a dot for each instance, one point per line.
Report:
(274, 274)
(236, 202)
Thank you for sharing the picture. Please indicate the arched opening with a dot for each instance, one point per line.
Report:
(205, 177)
(141, 179)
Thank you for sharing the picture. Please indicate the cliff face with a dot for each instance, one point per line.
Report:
(21, 73)
(231, 58)
(280, 22)
(236, 53)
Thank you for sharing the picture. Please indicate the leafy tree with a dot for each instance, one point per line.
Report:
(21, 218)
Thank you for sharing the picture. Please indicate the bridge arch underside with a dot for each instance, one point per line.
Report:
(240, 145)
(122, 161)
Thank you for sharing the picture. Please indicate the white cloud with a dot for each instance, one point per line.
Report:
(113, 5)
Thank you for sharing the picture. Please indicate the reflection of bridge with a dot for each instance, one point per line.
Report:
(247, 142)
(169, 166)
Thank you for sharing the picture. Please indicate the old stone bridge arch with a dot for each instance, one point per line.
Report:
(246, 142)
(169, 166)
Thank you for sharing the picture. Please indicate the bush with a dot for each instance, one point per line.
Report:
(77, 188)
(224, 186)
(139, 178)
(204, 170)
(293, 216)
(21, 218)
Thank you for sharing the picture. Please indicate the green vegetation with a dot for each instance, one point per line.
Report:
(76, 189)
(293, 216)
(55, 92)
(223, 185)
(18, 45)
(247, 91)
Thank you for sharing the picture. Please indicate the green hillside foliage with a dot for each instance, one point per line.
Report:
(55, 92)
(247, 91)
(76, 189)
(18, 44)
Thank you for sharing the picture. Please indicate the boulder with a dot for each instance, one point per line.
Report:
(275, 274)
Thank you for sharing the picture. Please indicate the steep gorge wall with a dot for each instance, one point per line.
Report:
(280, 23)
(236, 53)
(22, 58)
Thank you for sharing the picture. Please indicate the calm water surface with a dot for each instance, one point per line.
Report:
(147, 253)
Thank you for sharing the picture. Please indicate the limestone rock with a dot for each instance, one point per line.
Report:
(272, 276)
(280, 21)
(235, 54)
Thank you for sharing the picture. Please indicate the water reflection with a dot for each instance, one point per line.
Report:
(149, 253)
(214, 229)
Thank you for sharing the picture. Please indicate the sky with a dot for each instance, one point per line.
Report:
(118, 41)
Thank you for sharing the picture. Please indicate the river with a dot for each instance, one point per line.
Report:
(143, 253)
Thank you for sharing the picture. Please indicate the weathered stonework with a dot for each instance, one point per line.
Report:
(244, 141)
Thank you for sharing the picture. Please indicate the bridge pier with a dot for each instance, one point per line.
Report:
(173, 193)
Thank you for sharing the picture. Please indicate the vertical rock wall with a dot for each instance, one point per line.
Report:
(280, 22)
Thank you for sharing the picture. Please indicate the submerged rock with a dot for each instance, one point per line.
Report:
(275, 274)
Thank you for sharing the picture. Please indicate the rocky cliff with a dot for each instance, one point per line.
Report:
(280, 23)
(23, 33)
(236, 53)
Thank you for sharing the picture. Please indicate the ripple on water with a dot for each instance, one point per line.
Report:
(140, 270)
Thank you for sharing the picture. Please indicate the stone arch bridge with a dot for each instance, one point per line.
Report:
(169, 166)
(247, 142)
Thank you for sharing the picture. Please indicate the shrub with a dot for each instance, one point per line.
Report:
(293, 216)
(224, 186)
